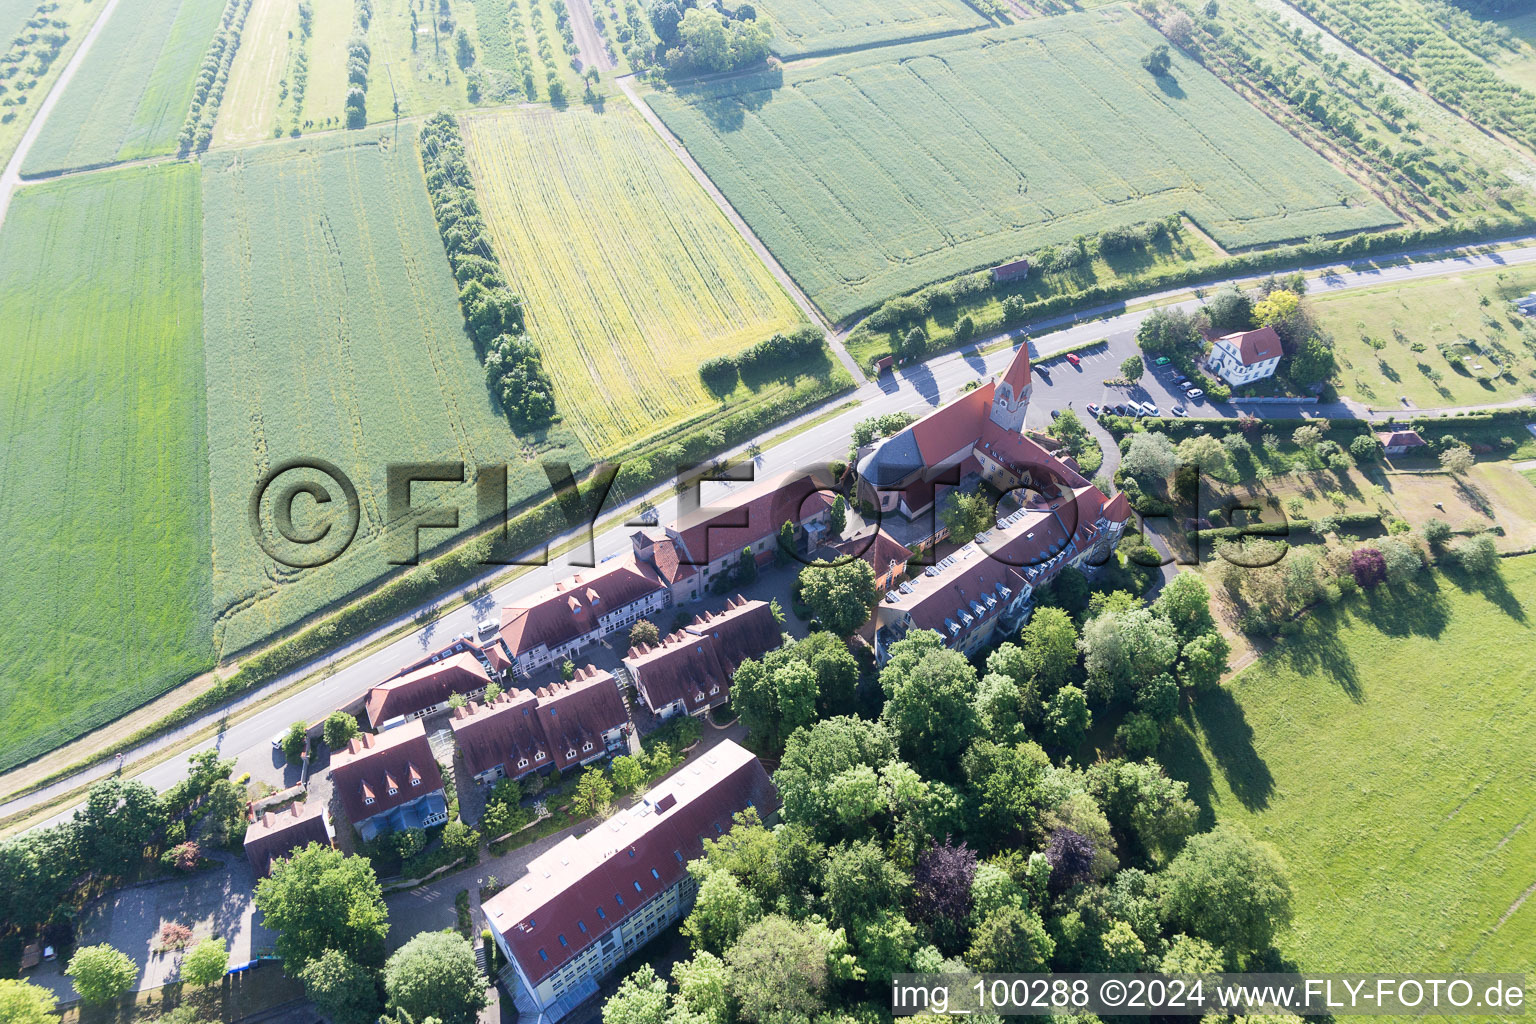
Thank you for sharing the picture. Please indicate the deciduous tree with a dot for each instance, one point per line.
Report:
(101, 973)
(435, 975)
(320, 899)
(342, 989)
(840, 595)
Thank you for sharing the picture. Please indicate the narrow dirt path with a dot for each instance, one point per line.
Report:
(10, 179)
(589, 42)
(834, 337)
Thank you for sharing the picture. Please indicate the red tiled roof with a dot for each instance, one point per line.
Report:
(579, 712)
(745, 517)
(879, 549)
(501, 732)
(687, 664)
(1255, 346)
(571, 608)
(369, 759)
(1119, 508)
(1400, 439)
(623, 862)
(426, 686)
(1017, 374)
(953, 427)
(275, 835)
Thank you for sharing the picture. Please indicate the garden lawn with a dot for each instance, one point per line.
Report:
(1385, 751)
(630, 275)
(811, 26)
(872, 173)
(1464, 315)
(334, 332)
(130, 97)
(104, 475)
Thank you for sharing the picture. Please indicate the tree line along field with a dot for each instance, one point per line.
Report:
(131, 94)
(802, 27)
(873, 173)
(29, 31)
(1385, 749)
(261, 74)
(106, 593)
(630, 275)
(334, 332)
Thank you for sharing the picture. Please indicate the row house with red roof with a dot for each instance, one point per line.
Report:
(584, 906)
(690, 671)
(390, 781)
(462, 668)
(560, 726)
(713, 537)
(1060, 519)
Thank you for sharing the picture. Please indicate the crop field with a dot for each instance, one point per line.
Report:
(1398, 792)
(254, 97)
(104, 474)
(1441, 341)
(873, 173)
(131, 94)
(22, 94)
(629, 273)
(325, 94)
(334, 333)
(813, 26)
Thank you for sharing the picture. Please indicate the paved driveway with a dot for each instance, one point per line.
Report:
(217, 902)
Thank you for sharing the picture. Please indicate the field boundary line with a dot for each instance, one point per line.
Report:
(10, 179)
(834, 338)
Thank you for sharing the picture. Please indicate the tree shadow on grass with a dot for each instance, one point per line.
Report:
(1318, 649)
(1491, 586)
(1230, 739)
(1415, 609)
(1182, 759)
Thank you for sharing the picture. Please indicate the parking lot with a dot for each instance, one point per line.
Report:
(1060, 385)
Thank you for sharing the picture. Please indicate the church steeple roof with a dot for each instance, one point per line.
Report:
(1017, 374)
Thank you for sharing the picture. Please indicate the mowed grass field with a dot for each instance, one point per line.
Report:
(104, 523)
(872, 173)
(1389, 339)
(1386, 752)
(630, 274)
(814, 26)
(252, 98)
(130, 96)
(19, 105)
(334, 333)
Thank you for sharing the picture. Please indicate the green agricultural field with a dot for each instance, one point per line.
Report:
(24, 35)
(334, 332)
(104, 473)
(261, 74)
(325, 94)
(422, 72)
(630, 275)
(1386, 752)
(813, 26)
(131, 95)
(873, 173)
(1401, 339)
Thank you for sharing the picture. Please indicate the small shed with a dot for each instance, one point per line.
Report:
(1400, 442)
(1015, 271)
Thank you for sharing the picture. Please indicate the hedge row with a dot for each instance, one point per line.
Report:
(766, 359)
(212, 77)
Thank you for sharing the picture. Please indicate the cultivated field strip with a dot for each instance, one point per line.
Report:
(630, 276)
(334, 332)
(250, 108)
(103, 477)
(873, 173)
(131, 95)
(812, 26)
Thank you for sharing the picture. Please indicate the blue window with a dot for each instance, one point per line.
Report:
(619, 898)
(679, 855)
(717, 828)
(531, 922)
(563, 942)
(583, 926)
(655, 874)
(543, 955)
(554, 713)
(637, 887)
(631, 851)
(600, 915)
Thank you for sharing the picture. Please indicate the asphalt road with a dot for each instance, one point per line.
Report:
(916, 389)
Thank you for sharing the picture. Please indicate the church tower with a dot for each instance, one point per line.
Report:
(1010, 399)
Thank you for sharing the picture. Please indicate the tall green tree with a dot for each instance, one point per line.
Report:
(340, 729)
(101, 973)
(205, 963)
(22, 1002)
(641, 998)
(594, 794)
(320, 899)
(1050, 648)
(840, 595)
(966, 515)
(722, 910)
(120, 818)
(1228, 888)
(1010, 941)
(341, 988)
(930, 708)
(435, 975)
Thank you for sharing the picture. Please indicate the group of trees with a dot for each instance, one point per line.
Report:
(120, 823)
(945, 835)
(772, 357)
(208, 92)
(327, 910)
(701, 38)
(514, 368)
(358, 58)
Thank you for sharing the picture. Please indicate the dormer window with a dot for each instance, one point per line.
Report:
(393, 790)
(415, 780)
(539, 756)
(570, 753)
(522, 762)
(587, 745)
(714, 689)
(367, 799)
(699, 695)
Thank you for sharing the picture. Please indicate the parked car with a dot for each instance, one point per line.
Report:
(1094, 410)
(1162, 361)
(1194, 393)
(1178, 410)
(1180, 380)
(1043, 374)
(1119, 410)
(1151, 408)
(1072, 358)
(488, 626)
(1055, 414)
